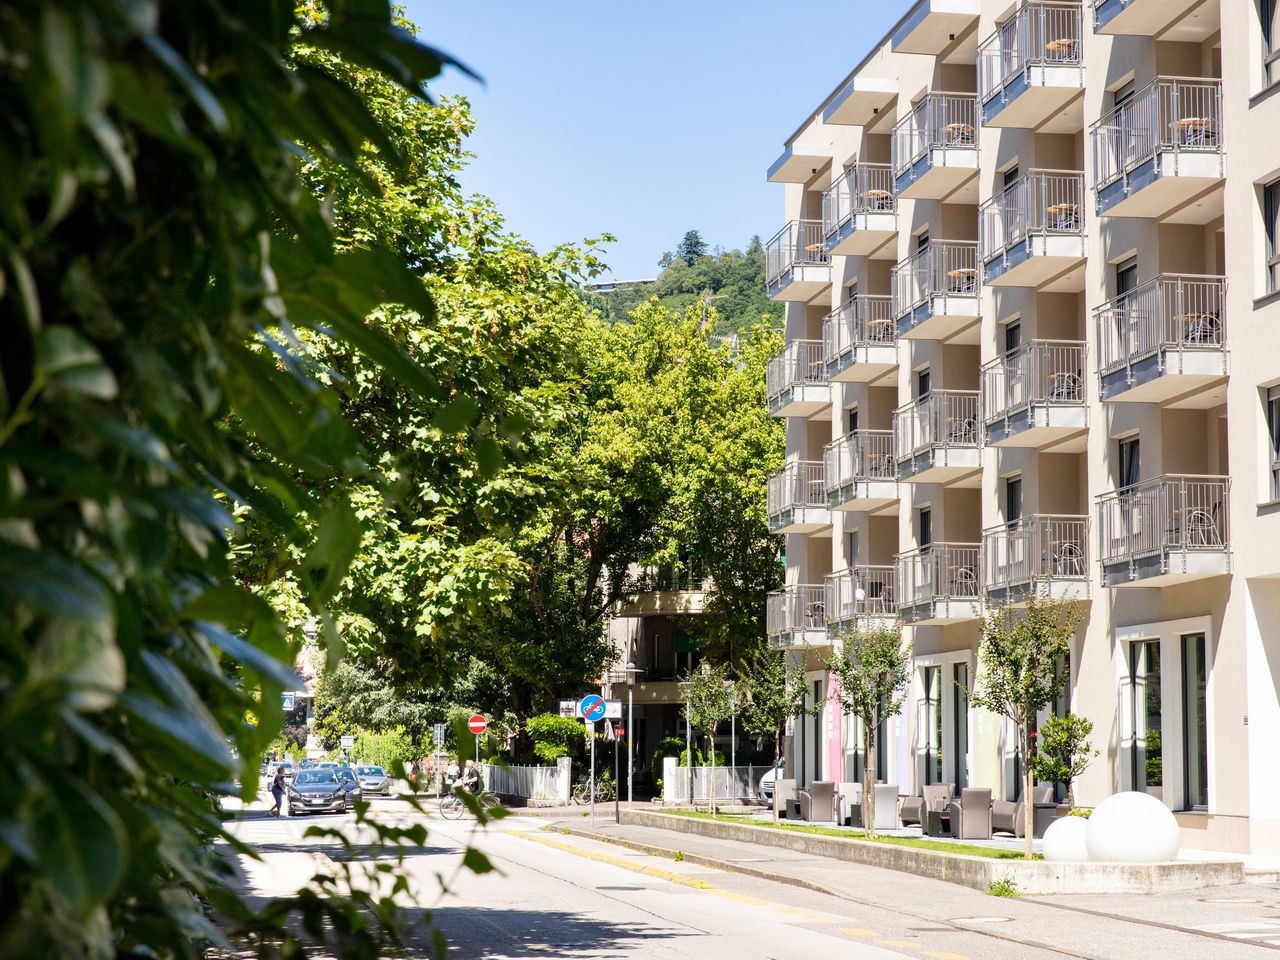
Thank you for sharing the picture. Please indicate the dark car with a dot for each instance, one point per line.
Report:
(306, 764)
(317, 791)
(374, 780)
(351, 784)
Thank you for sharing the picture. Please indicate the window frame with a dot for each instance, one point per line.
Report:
(1271, 227)
(1273, 438)
(1269, 20)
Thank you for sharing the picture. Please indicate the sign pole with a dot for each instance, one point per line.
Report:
(591, 731)
(477, 749)
(616, 791)
(631, 753)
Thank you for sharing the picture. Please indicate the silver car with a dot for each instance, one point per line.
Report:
(374, 780)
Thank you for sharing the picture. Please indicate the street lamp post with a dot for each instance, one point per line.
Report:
(632, 670)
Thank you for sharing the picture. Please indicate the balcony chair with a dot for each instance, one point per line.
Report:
(964, 582)
(971, 814)
(1068, 559)
(962, 430)
(1065, 387)
(1008, 816)
(815, 616)
(818, 801)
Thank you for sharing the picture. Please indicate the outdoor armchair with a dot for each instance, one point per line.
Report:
(818, 801)
(886, 815)
(971, 814)
(784, 794)
(1008, 816)
(934, 796)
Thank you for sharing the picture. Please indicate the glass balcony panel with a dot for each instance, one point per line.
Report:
(796, 382)
(797, 267)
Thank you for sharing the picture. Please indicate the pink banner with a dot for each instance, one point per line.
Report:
(835, 730)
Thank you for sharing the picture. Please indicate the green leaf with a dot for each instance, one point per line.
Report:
(476, 862)
(456, 415)
(337, 541)
(52, 584)
(251, 656)
(72, 363)
(190, 81)
(81, 845)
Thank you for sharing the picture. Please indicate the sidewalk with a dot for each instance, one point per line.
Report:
(1224, 922)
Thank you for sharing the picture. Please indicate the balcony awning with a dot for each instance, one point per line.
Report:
(799, 162)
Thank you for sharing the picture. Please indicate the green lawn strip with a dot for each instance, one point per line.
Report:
(941, 846)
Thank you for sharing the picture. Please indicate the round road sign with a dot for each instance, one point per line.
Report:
(593, 707)
(477, 724)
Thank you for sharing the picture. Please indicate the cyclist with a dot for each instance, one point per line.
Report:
(470, 779)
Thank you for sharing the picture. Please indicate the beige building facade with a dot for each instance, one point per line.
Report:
(1033, 335)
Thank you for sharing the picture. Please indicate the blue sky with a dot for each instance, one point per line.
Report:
(641, 118)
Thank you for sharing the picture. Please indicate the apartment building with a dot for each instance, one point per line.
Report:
(1031, 278)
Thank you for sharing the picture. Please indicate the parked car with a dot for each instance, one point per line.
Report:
(328, 765)
(306, 763)
(351, 784)
(317, 791)
(374, 780)
(767, 780)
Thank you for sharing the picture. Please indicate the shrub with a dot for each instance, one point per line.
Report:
(554, 736)
(1004, 887)
(384, 749)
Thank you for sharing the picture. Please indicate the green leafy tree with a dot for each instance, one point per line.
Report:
(691, 248)
(708, 702)
(389, 749)
(1064, 751)
(160, 262)
(554, 736)
(871, 669)
(775, 694)
(1019, 673)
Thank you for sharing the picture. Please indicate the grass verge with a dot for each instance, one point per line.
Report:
(919, 843)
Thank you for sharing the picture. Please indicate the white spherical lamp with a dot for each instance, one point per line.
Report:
(1132, 828)
(1064, 841)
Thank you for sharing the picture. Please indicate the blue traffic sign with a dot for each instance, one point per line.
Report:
(286, 701)
(593, 707)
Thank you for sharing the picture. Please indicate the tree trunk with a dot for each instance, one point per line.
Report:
(711, 784)
(1028, 779)
(777, 759)
(1071, 794)
(868, 780)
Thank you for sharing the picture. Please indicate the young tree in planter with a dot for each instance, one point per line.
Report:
(1018, 673)
(774, 694)
(708, 703)
(872, 668)
(1063, 751)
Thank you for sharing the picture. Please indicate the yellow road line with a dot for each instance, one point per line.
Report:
(914, 944)
(859, 932)
(943, 955)
(737, 897)
(617, 862)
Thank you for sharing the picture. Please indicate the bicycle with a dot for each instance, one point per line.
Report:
(582, 791)
(452, 806)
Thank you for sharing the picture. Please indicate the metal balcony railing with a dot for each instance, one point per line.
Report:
(795, 609)
(863, 188)
(860, 592)
(1168, 513)
(944, 268)
(1173, 115)
(1038, 34)
(799, 484)
(861, 321)
(939, 121)
(801, 363)
(1037, 373)
(1170, 315)
(943, 418)
(799, 243)
(939, 572)
(1038, 547)
(682, 577)
(1039, 203)
(860, 456)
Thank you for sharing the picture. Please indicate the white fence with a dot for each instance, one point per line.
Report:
(731, 783)
(549, 784)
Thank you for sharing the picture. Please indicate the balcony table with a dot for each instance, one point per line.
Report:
(1063, 49)
(880, 331)
(961, 430)
(959, 135)
(1194, 131)
(876, 199)
(1200, 329)
(1066, 216)
(963, 280)
(817, 371)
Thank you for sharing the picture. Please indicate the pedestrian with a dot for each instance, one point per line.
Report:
(277, 791)
(451, 775)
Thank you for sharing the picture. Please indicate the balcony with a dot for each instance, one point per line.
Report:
(796, 616)
(935, 147)
(933, 24)
(935, 291)
(670, 590)
(1031, 234)
(1160, 152)
(861, 473)
(938, 584)
(1165, 531)
(1165, 342)
(796, 265)
(859, 212)
(1141, 18)
(797, 499)
(860, 101)
(860, 598)
(1033, 397)
(860, 340)
(799, 162)
(795, 381)
(1041, 550)
(936, 437)
(1031, 70)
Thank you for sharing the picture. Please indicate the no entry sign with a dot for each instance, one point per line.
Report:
(477, 724)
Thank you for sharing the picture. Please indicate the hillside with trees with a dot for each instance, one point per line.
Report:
(694, 275)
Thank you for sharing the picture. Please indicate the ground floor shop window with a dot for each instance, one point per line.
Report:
(1148, 754)
(1195, 723)
(960, 723)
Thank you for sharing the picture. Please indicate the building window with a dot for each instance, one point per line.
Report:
(1129, 462)
(925, 525)
(1271, 210)
(1269, 11)
(1009, 177)
(1126, 276)
(1273, 435)
(932, 677)
(922, 382)
(1144, 681)
(922, 240)
(853, 419)
(1012, 336)
(851, 548)
(1013, 500)
(960, 723)
(1195, 723)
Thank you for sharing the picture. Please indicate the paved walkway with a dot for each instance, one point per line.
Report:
(1224, 922)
